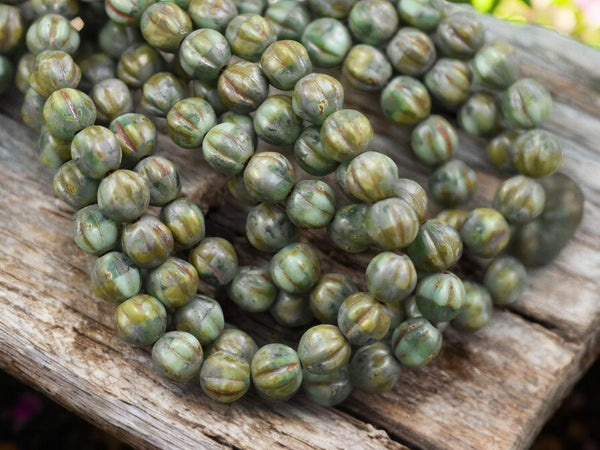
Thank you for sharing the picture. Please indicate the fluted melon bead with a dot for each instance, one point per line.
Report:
(520, 199)
(249, 35)
(439, 296)
(423, 14)
(452, 183)
(363, 319)
(452, 217)
(250, 6)
(346, 134)
(96, 151)
(477, 309)
(53, 152)
(141, 320)
(437, 247)
(331, 8)
(123, 195)
(93, 232)
(411, 51)
(538, 153)
(370, 177)
(136, 135)
(138, 63)
(147, 241)
(289, 18)
(391, 277)
(276, 372)
(202, 317)
(244, 121)
(496, 65)
(479, 115)
(310, 155)
(32, 111)
(189, 120)
(112, 99)
(329, 389)
(416, 342)
(52, 32)
(317, 96)
(236, 342)
(348, 229)
(485, 232)
(284, 63)
(67, 111)
(227, 148)
(405, 100)
(373, 21)
(162, 178)
(526, 103)
(449, 81)
(242, 87)
(73, 187)
(269, 228)
(213, 14)
(128, 12)
(311, 204)
(225, 377)
(164, 25)
(392, 224)
(53, 70)
(413, 194)
(96, 68)
(215, 260)
(501, 150)
(275, 121)
(252, 289)
(460, 35)
(409, 306)
(395, 311)
(237, 189)
(434, 141)
(173, 283)
(204, 53)
(291, 310)
(328, 294)
(11, 28)
(114, 38)
(323, 349)
(269, 176)
(374, 368)
(24, 70)
(296, 268)
(327, 41)
(366, 68)
(506, 279)
(66, 8)
(177, 356)
(115, 278)
(160, 93)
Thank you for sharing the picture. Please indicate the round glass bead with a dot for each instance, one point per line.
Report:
(526, 103)
(310, 155)
(496, 65)
(73, 187)
(434, 141)
(114, 38)
(479, 115)
(373, 21)
(284, 63)
(269, 176)
(147, 241)
(506, 279)
(185, 220)
(452, 183)
(449, 81)
(396, 313)
(316, 96)
(243, 87)
(538, 153)
(405, 100)
(95, 68)
(276, 372)
(369, 177)
(311, 204)
(485, 232)
(416, 342)
(227, 148)
(249, 35)
(215, 260)
(346, 134)
(53, 70)
(374, 368)
(128, 12)
(366, 68)
(436, 247)
(391, 277)
(52, 32)
(268, 228)
(477, 309)
(329, 389)
(328, 294)
(460, 35)
(53, 152)
(209, 91)
(11, 28)
(162, 178)
(174, 283)
(189, 120)
(296, 268)
(141, 320)
(225, 377)
(331, 8)
(237, 189)
(392, 224)
(66, 8)
(160, 93)
(411, 51)
(67, 111)
(164, 25)
(96, 151)
(244, 121)
(323, 349)
(425, 15)
(32, 111)
(114, 277)
(136, 135)
(413, 194)
(123, 195)
(409, 307)
(24, 70)
(138, 63)
(327, 41)
(363, 319)
(177, 356)
(501, 151)
(520, 199)
(202, 317)
(93, 232)
(439, 296)
(289, 18)
(452, 217)
(275, 121)
(236, 342)
(112, 99)
(348, 228)
(250, 6)
(291, 310)
(252, 289)
(213, 14)
(204, 53)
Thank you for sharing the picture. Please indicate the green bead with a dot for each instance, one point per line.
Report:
(501, 151)
(96, 151)
(348, 228)
(237, 189)
(460, 35)
(276, 372)
(449, 81)
(204, 53)
(391, 277)
(141, 320)
(331, 8)
(67, 111)
(329, 389)
(289, 18)
(485, 232)
(244, 121)
(202, 317)
(252, 289)
(434, 141)
(136, 135)
(24, 70)
(316, 96)
(185, 220)
(73, 187)
(127, 12)
(183, 4)
(138, 63)
(93, 232)
(189, 120)
(284, 63)
(310, 155)
(311, 204)
(479, 115)
(147, 241)
(327, 41)
(422, 14)
(243, 87)
(374, 369)
(409, 306)
(52, 32)
(209, 91)
(123, 195)
(268, 228)
(225, 377)
(396, 313)
(328, 294)
(53, 152)
(215, 260)
(538, 153)
(162, 178)
(366, 68)
(370, 177)
(160, 93)
(32, 111)
(275, 121)
(213, 14)
(413, 194)
(453, 217)
(291, 310)
(405, 100)
(235, 342)
(346, 134)
(439, 296)
(373, 22)
(112, 99)
(114, 278)
(526, 103)
(520, 199)
(53, 70)
(496, 65)
(95, 68)
(11, 28)
(416, 342)
(177, 356)
(114, 38)
(227, 148)
(250, 6)
(165, 25)
(173, 283)
(296, 268)
(249, 35)
(411, 51)
(363, 319)
(477, 309)
(452, 183)
(323, 349)
(436, 247)
(392, 224)
(66, 8)
(269, 176)
(505, 279)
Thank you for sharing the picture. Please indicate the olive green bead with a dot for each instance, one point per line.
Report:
(95, 68)
(189, 120)
(53, 152)
(405, 100)
(411, 51)
(275, 121)
(520, 199)
(496, 65)
(409, 306)
(327, 41)
(114, 38)
(296, 268)
(243, 87)
(310, 155)
(391, 277)
(416, 342)
(66, 8)
(204, 53)
(32, 111)
(434, 141)
(73, 187)
(249, 35)
(11, 28)
(236, 342)
(374, 368)
(538, 153)
(284, 63)
(328, 294)
(244, 121)
(366, 68)
(501, 150)
(289, 18)
(477, 309)
(147, 241)
(67, 111)
(215, 260)
(460, 35)
(329, 389)
(268, 228)
(213, 14)
(392, 224)
(138, 63)
(237, 189)
(526, 103)
(311, 204)
(185, 220)
(436, 247)
(252, 289)
(53, 70)
(269, 176)
(177, 356)
(413, 194)
(452, 183)
(348, 229)
(174, 283)
(346, 134)
(127, 12)
(316, 96)
(323, 349)
(449, 81)
(225, 377)
(123, 195)
(291, 310)
(396, 313)
(96, 151)
(276, 372)
(331, 8)
(209, 91)
(485, 232)
(23, 71)
(373, 21)
(363, 319)
(52, 32)
(112, 99)
(93, 232)
(452, 217)
(162, 178)
(422, 14)
(202, 317)
(183, 4)
(250, 6)
(141, 320)
(164, 25)
(160, 93)
(115, 278)
(479, 115)
(227, 148)
(369, 177)
(506, 280)
(136, 135)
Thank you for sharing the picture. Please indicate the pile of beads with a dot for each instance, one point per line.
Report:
(249, 68)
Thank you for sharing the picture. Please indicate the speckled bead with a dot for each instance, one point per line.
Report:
(391, 277)
(276, 372)
(96, 151)
(413, 194)
(213, 14)
(114, 38)
(52, 32)
(185, 220)
(123, 195)
(316, 96)
(177, 356)
(268, 228)
(477, 309)
(538, 153)
(269, 176)
(369, 177)
(520, 199)
(496, 65)
(436, 247)
(452, 217)
(422, 14)
(236, 342)
(311, 204)
(323, 349)
(331, 8)
(32, 111)
(138, 63)
(479, 115)
(405, 100)
(53, 70)
(204, 53)
(164, 25)
(93, 232)
(328, 294)
(452, 183)
(11, 28)
(73, 187)
(363, 319)
(310, 155)
(112, 99)
(373, 21)
(23, 71)
(249, 35)
(189, 120)
(327, 41)
(506, 280)
(128, 12)
(296, 268)
(485, 232)
(366, 68)
(329, 389)
(243, 87)
(173, 283)
(136, 135)
(434, 141)
(202, 317)
(67, 111)
(227, 148)
(449, 81)
(141, 320)
(284, 63)
(348, 228)
(53, 152)
(66, 8)
(346, 134)
(225, 377)
(374, 368)
(289, 18)
(162, 178)
(160, 93)
(275, 121)
(252, 289)
(526, 103)
(411, 51)
(416, 342)
(392, 224)
(460, 35)
(147, 241)
(114, 278)
(215, 260)
(501, 150)
(291, 310)
(250, 6)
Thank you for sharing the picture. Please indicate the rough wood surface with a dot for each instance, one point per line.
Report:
(491, 389)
